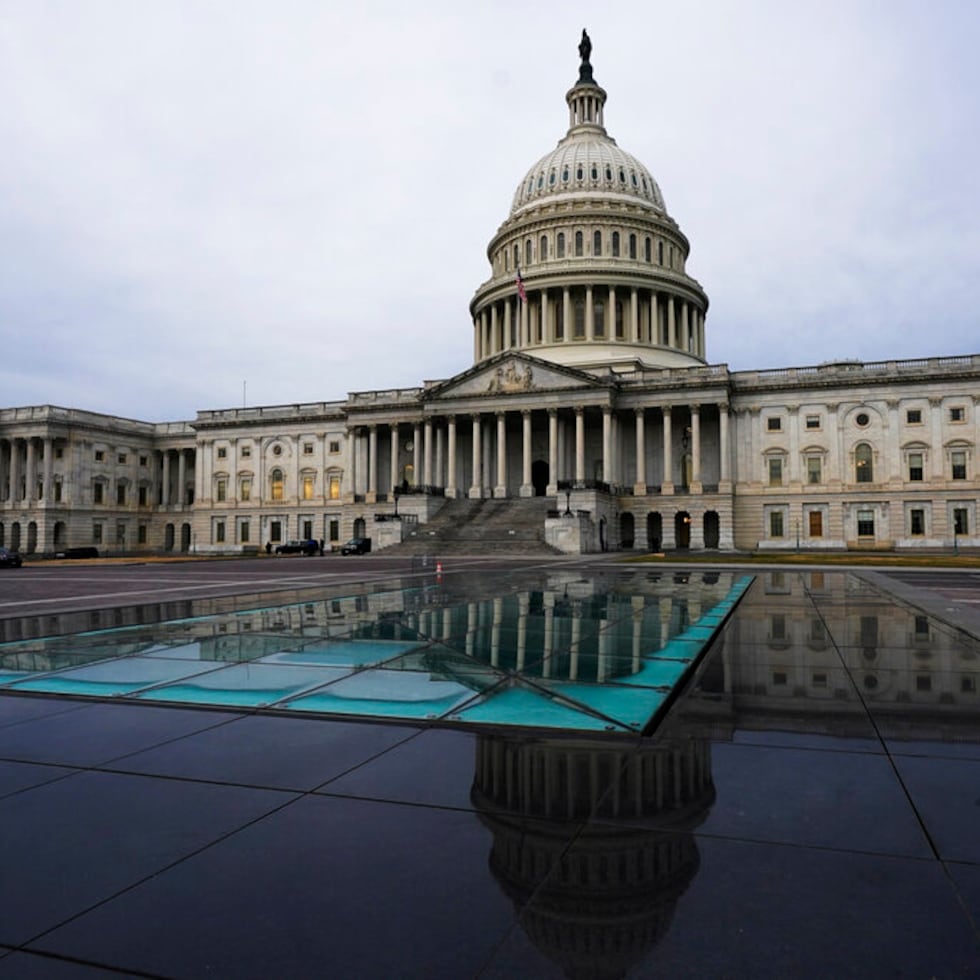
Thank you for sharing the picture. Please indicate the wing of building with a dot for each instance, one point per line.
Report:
(591, 419)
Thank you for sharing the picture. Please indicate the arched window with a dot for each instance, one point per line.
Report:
(561, 244)
(632, 246)
(543, 249)
(863, 464)
(578, 244)
(647, 254)
(615, 244)
(660, 253)
(275, 479)
(527, 252)
(517, 256)
(597, 243)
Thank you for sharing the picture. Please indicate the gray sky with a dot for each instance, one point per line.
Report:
(298, 195)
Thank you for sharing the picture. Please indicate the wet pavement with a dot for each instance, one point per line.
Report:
(808, 806)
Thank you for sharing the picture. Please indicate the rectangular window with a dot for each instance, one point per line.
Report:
(815, 523)
(777, 627)
(243, 532)
(245, 489)
(866, 523)
(775, 524)
(57, 491)
(813, 466)
(335, 530)
(97, 533)
(121, 458)
(219, 532)
(774, 424)
(59, 453)
(120, 533)
(142, 496)
(334, 447)
(143, 460)
(779, 678)
(958, 459)
(914, 416)
(222, 452)
(307, 533)
(335, 488)
(121, 494)
(98, 493)
(957, 414)
(141, 534)
(99, 455)
(917, 522)
(307, 487)
(221, 489)
(922, 627)
(775, 471)
(915, 467)
(275, 531)
(813, 421)
(246, 452)
(961, 521)
(307, 448)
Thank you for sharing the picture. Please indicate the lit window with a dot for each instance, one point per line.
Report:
(335, 488)
(774, 424)
(917, 522)
(863, 464)
(245, 488)
(307, 487)
(913, 416)
(775, 471)
(958, 459)
(276, 484)
(915, 467)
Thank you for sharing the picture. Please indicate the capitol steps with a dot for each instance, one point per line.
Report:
(512, 526)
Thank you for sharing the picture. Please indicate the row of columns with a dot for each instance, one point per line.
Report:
(489, 456)
(19, 468)
(649, 319)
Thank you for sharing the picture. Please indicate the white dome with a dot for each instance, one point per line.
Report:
(587, 164)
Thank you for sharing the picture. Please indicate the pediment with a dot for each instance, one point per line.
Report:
(511, 374)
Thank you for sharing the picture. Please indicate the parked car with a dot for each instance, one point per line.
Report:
(10, 559)
(297, 548)
(356, 546)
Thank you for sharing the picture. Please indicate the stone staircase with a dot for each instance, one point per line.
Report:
(514, 526)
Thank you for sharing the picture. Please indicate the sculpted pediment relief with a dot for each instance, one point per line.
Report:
(511, 376)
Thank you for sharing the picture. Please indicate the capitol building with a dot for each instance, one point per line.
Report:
(591, 414)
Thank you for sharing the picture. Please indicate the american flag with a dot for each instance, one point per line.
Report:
(520, 286)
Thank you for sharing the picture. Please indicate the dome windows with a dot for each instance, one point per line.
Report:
(543, 248)
(622, 176)
(540, 181)
(615, 244)
(632, 246)
(578, 245)
(633, 178)
(597, 243)
(595, 172)
(561, 245)
(609, 173)
(551, 179)
(564, 176)
(580, 173)
(647, 245)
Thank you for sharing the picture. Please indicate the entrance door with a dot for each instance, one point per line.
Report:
(539, 477)
(682, 529)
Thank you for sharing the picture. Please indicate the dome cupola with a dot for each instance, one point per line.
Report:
(588, 269)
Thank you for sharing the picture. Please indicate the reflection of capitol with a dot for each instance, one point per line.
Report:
(604, 904)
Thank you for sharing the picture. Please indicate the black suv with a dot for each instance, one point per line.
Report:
(356, 546)
(309, 547)
(10, 559)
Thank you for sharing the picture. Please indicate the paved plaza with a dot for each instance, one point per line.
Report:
(806, 806)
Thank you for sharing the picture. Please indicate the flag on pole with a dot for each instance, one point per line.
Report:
(520, 286)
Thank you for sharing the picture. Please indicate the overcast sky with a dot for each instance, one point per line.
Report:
(210, 203)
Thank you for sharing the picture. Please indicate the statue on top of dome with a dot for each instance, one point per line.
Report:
(585, 51)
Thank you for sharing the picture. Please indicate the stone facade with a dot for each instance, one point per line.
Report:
(590, 386)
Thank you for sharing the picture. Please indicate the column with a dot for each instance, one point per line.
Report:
(634, 315)
(476, 490)
(606, 444)
(696, 486)
(654, 318)
(451, 490)
(589, 315)
(30, 472)
(552, 487)
(493, 348)
(47, 446)
(181, 477)
(15, 470)
(893, 457)
(393, 451)
(372, 467)
(936, 447)
(524, 324)
(417, 453)
(166, 478)
(640, 483)
(685, 326)
(527, 489)
(507, 321)
(611, 315)
(501, 488)
(438, 472)
(427, 453)
(566, 314)
(724, 473)
(671, 322)
(579, 444)
(545, 320)
(667, 486)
